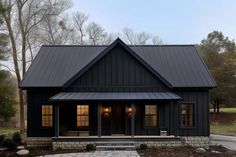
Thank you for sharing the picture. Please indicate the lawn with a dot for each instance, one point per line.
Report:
(8, 130)
(225, 122)
(226, 110)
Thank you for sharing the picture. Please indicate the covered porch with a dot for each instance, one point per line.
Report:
(104, 116)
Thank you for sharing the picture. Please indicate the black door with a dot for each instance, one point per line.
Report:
(118, 118)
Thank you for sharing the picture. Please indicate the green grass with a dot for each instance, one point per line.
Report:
(226, 110)
(224, 129)
(8, 130)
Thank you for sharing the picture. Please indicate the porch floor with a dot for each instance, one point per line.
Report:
(96, 138)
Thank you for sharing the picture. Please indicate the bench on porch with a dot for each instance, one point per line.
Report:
(75, 133)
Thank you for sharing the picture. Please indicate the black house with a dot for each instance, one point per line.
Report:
(118, 91)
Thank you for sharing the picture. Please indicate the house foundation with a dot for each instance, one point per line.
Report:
(150, 141)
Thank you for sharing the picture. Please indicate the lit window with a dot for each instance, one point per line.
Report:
(82, 115)
(47, 116)
(186, 115)
(151, 115)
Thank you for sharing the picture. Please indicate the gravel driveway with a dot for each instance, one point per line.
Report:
(226, 141)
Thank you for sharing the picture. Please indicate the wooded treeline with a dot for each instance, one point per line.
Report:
(28, 24)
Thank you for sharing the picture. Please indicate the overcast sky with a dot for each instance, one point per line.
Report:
(174, 21)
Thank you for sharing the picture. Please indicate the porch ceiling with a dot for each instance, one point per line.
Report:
(65, 96)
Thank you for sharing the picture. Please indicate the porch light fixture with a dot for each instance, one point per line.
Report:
(129, 109)
(106, 110)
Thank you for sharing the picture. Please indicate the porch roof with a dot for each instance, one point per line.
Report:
(64, 96)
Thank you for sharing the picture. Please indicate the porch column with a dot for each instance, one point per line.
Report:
(56, 116)
(132, 120)
(99, 120)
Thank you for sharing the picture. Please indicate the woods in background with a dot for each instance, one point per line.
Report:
(219, 53)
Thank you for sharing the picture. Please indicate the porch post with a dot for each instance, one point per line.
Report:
(99, 120)
(56, 116)
(132, 120)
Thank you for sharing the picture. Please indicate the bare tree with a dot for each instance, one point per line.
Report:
(129, 36)
(21, 18)
(133, 38)
(53, 30)
(96, 33)
(79, 20)
(156, 40)
(142, 38)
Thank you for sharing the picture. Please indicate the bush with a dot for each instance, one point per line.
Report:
(90, 147)
(143, 146)
(16, 137)
(1, 139)
(9, 143)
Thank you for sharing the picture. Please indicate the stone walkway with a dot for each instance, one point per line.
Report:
(98, 154)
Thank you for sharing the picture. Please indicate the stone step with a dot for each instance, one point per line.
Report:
(117, 147)
(115, 143)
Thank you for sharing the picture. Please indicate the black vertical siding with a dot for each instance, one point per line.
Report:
(118, 71)
(36, 98)
(168, 115)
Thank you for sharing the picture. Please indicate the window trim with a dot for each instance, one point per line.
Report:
(194, 114)
(158, 118)
(81, 127)
(41, 116)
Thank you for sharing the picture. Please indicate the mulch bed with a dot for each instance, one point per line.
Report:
(37, 152)
(185, 152)
(159, 152)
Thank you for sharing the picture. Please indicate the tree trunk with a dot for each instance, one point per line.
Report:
(7, 19)
(22, 110)
(218, 105)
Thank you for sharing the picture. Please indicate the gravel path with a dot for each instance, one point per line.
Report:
(98, 154)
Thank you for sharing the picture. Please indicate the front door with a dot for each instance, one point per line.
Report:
(118, 118)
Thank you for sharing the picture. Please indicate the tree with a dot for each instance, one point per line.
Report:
(96, 33)
(141, 38)
(7, 95)
(21, 18)
(219, 54)
(7, 85)
(80, 20)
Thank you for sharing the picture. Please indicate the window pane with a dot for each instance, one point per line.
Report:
(47, 115)
(151, 115)
(186, 115)
(82, 115)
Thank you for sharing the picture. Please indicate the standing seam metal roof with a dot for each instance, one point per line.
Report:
(115, 96)
(180, 65)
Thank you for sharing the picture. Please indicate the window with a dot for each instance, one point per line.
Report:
(47, 115)
(150, 115)
(82, 115)
(186, 115)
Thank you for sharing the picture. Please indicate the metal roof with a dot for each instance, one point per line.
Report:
(115, 96)
(179, 65)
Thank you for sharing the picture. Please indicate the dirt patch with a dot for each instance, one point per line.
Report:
(186, 152)
(223, 123)
(223, 118)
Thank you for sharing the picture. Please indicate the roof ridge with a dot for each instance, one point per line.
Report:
(163, 45)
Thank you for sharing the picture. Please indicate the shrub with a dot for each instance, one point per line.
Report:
(16, 137)
(90, 147)
(143, 146)
(9, 143)
(1, 139)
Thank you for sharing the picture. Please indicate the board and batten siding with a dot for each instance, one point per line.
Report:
(118, 71)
